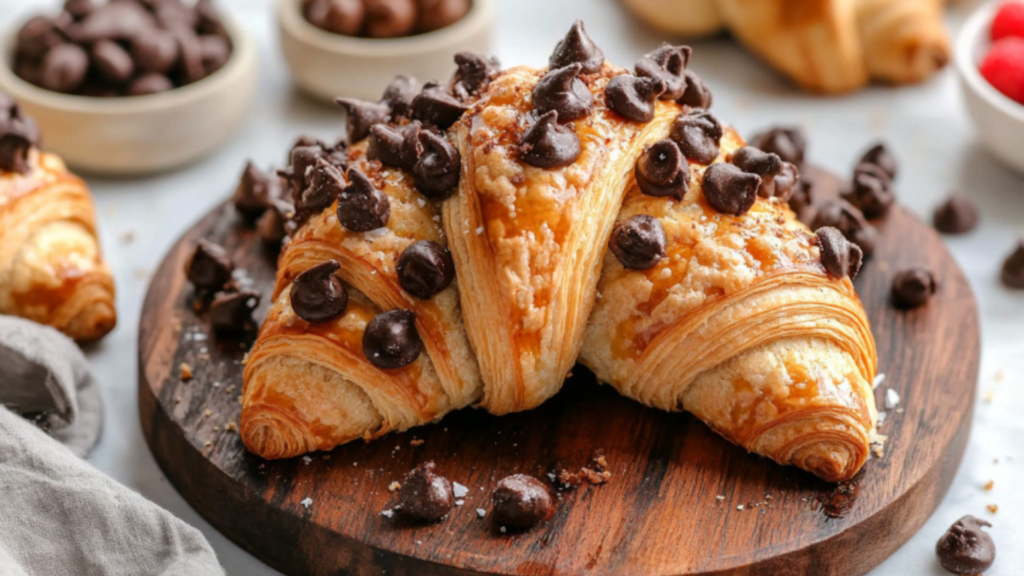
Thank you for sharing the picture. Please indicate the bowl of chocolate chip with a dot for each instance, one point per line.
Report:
(354, 48)
(131, 86)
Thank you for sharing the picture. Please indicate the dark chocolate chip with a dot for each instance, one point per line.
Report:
(957, 215)
(698, 135)
(802, 202)
(425, 268)
(633, 97)
(438, 165)
(965, 548)
(778, 178)
(561, 90)
(839, 257)
(64, 68)
(849, 220)
(303, 158)
(209, 267)
(317, 294)
(437, 107)
(475, 71)
(391, 341)
(880, 156)
(870, 190)
(156, 51)
(36, 37)
(173, 15)
(150, 83)
(577, 48)
(361, 115)
(112, 21)
(788, 142)
(1013, 268)
(255, 192)
(436, 14)
(231, 312)
(547, 144)
(208, 21)
(425, 494)
(386, 145)
(190, 51)
(521, 501)
(399, 95)
(112, 61)
(19, 133)
(215, 50)
(389, 18)
(667, 63)
(338, 16)
(662, 170)
(361, 207)
(638, 242)
(730, 190)
(912, 288)
(325, 184)
(696, 94)
(275, 224)
(79, 8)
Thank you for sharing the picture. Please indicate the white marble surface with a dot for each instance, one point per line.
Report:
(924, 124)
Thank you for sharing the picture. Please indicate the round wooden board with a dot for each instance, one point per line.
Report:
(681, 500)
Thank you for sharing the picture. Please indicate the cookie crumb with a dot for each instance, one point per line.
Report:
(417, 442)
(186, 372)
(394, 486)
(992, 508)
(991, 484)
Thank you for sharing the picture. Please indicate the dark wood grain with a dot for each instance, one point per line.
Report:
(660, 514)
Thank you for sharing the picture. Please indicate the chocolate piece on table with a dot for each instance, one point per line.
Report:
(730, 190)
(870, 190)
(436, 106)
(317, 294)
(788, 142)
(386, 145)
(562, 90)
(361, 207)
(361, 115)
(425, 268)
(849, 220)
(698, 134)
(577, 48)
(633, 97)
(255, 192)
(667, 63)
(662, 170)
(344, 17)
(965, 548)
(19, 133)
(231, 312)
(425, 494)
(957, 215)
(548, 144)
(913, 287)
(64, 68)
(389, 18)
(112, 61)
(209, 267)
(155, 51)
(839, 256)
(638, 242)
(438, 165)
(150, 83)
(436, 14)
(696, 94)
(475, 71)
(521, 501)
(215, 50)
(399, 95)
(391, 341)
(1013, 268)
(880, 156)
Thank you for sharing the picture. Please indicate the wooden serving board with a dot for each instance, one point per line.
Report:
(681, 501)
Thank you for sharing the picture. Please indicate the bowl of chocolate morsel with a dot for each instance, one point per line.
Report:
(131, 86)
(355, 48)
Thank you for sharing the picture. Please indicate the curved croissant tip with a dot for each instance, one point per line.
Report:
(270, 436)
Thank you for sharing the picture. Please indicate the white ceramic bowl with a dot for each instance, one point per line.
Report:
(998, 120)
(141, 134)
(327, 65)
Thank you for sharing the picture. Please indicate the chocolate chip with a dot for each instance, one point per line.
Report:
(399, 95)
(303, 158)
(802, 202)
(778, 178)
(338, 16)
(391, 341)
(561, 90)
(667, 63)
(209, 267)
(389, 18)
(231, 312)
(437, 167)
(156, 51)
(577, 48)
(151, 83)
(849, 220)
(547, 144)
(521, 501)
(325, 184)
(870, 190)
(317, 294)
(36, 37)
(172, 15)
(112, 61)
(839, 257)
(19, 133)
(695, 94)
(1013, 268)
(79, 8)
(788, 142)
(957, 215)
(215, 50)
(436, 14)
(437, 107)
(880, 156)
(698, 135)
(911, 288)
(385, 145)
(425, 494)
(965, 548)
(112, 21)
(662, 170)
(274, 225)
(255, 192)
(638, 242)
(730, 190)
(208, 20)
(64, 68)
(632, 97)
(361, 207)
(425, 268)
(361, 115)
(475, 71)
(191, 55)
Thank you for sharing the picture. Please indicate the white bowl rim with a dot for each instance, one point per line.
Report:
(243, 55)
(291, 18)
(973, 35)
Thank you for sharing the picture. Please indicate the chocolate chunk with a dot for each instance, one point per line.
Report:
(215, 50)
(880, 156)
(209, 267)
(112, 61)
(385, 145)
(79, 8)
(255, 192)
(437, 167)
(638, 242)
(788, 142)
(156, 51)
(36, 37)
(632, 97)
(667, 63)
(338, 16)
(802, 202)
(561, 90)
(521, 501)
(437, 107)
(436, 14)
(577, 48)
(839, 257)
(425, 268)
(547, 144)
(19, 133)
(275, 224)
(325, 184)
(317, 294)
(778, 178)
(151, 83)
(112, 21)
(662, 170)
(698, 135)
(231, 312)
(64, 68)
(475, 71)
(965, 548)
(361, 207)
(391, 341)
(957, 215)
(730, 190)
(389, 18)
(190, 51)
(911, 288)
(870, 190)
(1013, 268)
(399, 95)
(849, 220)
(695, 94)
(425, 494)
(361, 115)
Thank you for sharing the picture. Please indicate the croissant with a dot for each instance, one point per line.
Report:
(475, 240)
(51, 267)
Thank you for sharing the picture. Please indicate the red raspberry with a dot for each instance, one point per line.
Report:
(1009, 21)
(1003, 67)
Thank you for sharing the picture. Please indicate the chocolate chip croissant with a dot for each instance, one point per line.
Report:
(51, 268)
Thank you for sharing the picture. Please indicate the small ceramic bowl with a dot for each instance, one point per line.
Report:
(141, 134)
(327, 65)
(998, 120)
